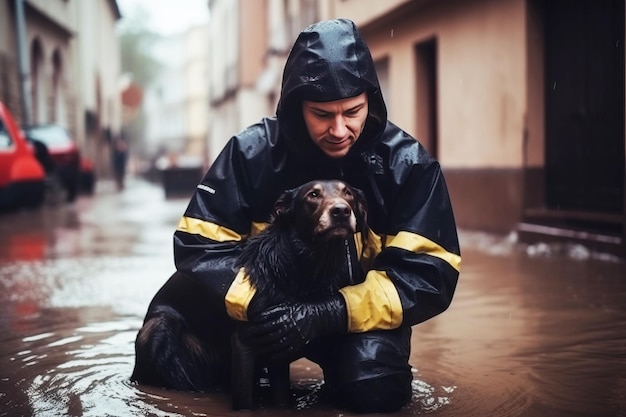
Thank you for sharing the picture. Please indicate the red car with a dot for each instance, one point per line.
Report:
(69, 168)
(22, 178)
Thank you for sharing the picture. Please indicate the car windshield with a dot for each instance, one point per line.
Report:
(50, 135)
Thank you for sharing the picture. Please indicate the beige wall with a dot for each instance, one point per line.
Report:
(96, 60)
(223, 46)
(481, 77)
(224, 33)
(253, 44)
(197, 87)
(535, 137)
(363, 12)
(252, 103)
(106, 61)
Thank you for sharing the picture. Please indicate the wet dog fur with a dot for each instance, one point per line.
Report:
(300, 256)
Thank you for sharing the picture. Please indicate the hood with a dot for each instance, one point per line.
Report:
(329, 61)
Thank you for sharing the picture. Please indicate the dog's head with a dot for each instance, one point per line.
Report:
(322, 210)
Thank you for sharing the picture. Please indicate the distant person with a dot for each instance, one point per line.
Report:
(331, 123)
(119, 156)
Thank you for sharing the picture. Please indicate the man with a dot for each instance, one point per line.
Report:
(331, 122)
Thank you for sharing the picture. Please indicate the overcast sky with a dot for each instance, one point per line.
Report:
(168, 16)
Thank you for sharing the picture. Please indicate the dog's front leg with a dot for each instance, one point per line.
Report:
(242, 374)
(280, 384)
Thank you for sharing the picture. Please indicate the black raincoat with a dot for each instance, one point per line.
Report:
(407, 272)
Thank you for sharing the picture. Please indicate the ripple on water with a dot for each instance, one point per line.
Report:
(87, 374)
(427, 399)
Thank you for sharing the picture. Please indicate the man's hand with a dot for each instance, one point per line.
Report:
(278, 332)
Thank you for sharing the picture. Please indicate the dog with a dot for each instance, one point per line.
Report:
(300, 256)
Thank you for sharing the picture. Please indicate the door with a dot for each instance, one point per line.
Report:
(585, 105)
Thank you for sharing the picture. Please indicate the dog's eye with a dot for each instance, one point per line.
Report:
(313, 194)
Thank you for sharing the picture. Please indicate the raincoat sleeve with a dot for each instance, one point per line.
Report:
(416, 265)
(208, 238)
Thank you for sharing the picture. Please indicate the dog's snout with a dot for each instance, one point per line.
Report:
(340, 211)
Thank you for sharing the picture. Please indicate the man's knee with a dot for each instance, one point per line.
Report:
(384, 394)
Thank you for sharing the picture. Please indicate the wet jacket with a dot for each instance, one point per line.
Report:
(408, 269)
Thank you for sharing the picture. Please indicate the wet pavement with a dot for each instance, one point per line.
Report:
(533, 330)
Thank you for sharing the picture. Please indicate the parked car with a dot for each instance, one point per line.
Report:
(22, 177)
(74, 172)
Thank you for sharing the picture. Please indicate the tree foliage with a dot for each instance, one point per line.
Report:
(139, 63)
(136, 42)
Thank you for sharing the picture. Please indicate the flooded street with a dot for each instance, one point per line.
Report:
(532, 331)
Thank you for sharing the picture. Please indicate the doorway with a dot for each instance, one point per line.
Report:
(584, 96)
(426, 96)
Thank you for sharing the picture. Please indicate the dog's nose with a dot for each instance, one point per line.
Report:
(340, 211)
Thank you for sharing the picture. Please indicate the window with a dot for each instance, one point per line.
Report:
(5, 139)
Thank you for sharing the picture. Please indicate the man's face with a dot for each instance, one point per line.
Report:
(334, 126)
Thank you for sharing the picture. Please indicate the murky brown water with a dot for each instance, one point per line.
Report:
(538, 331)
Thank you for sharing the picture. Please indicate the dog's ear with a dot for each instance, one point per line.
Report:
(283, 206)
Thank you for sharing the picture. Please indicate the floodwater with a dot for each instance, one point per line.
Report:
(533, 330)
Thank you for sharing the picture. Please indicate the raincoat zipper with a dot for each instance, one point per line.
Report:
(349, 259)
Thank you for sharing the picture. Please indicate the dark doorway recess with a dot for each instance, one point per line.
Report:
(585, 105)
(426, 63)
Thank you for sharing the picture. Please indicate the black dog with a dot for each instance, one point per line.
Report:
(300, 256)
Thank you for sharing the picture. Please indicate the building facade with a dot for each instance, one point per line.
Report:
(70, 69)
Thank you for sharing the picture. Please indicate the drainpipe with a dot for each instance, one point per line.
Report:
(25, 82)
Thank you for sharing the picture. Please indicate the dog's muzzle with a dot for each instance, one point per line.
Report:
(338, 220)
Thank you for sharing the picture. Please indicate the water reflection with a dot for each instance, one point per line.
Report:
(532, 331)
